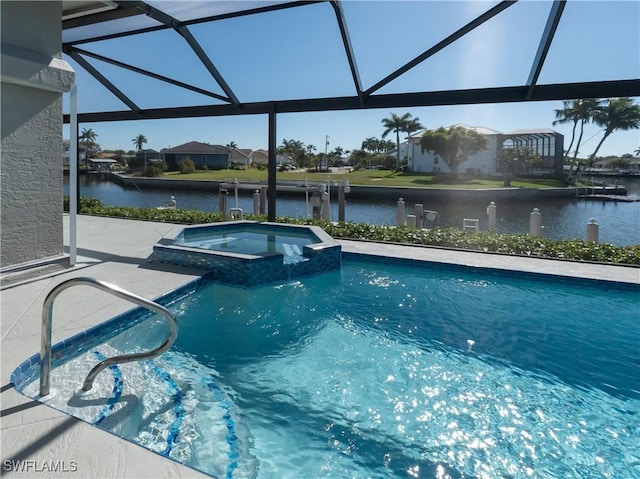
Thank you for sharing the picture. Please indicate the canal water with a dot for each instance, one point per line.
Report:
(562, 218)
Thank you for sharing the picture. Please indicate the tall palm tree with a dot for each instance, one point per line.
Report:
(309, 155)
(395, 124)
(567, 115)
(618, 114)
(139, 142)
(411, 126)
(232, 144)
(88, 139)
(578, 112)
(584, 111)
(88, 135)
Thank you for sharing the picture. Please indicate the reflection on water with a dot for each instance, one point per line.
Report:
(562, 219)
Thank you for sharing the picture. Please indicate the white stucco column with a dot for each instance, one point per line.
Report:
(33, 77)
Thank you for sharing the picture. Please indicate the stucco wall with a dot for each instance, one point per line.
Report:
(33, 78)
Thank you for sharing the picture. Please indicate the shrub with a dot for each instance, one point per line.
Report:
(153, 170)
(187, 166)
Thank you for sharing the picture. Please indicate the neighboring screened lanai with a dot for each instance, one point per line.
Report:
(194, 57)
(547, 144)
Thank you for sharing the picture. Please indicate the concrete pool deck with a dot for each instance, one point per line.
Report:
(45, 443)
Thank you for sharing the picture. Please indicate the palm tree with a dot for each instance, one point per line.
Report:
(310, 157)
(618, 114)
(585, 111)
(139, 142)
(578, 112)
(370, 144)
(386, 145)
(396, 124)
(337, 153)
(232, 144)
(88, 139)
(567, 115)
(411, 126)
(88, 135)
(294, 149)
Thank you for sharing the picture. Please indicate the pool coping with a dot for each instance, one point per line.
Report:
(118, 250)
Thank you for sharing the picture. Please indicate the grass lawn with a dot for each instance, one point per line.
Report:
(362, 177)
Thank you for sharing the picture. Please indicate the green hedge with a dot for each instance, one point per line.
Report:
(487, 241)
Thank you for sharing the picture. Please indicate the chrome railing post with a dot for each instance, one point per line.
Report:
(47, 313)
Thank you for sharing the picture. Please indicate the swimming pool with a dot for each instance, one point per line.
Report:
(369, 372)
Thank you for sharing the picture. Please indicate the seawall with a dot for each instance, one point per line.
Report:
(409, 194)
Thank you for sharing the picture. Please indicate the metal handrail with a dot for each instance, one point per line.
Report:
(47, 312)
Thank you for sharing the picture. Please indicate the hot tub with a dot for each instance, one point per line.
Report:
(248, 253)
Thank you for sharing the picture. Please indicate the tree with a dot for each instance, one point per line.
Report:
(515, 161)
(370, 144)
(618, 114)
(294, 149)
(88, 135)
(396, 124)
(88, 140)
(578, 112)
(358, 158)
(454, 145)
(411, 126)
(138, 143)
(232, 144)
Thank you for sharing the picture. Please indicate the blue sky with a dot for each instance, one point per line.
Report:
(297, 53)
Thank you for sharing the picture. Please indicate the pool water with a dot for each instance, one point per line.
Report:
(381, 370)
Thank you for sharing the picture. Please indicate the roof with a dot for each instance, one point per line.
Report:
(196, 83)
(102, 161)
(197, 148)
(483, 130)
(534, 131)
(239, 154)
(260, 155)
